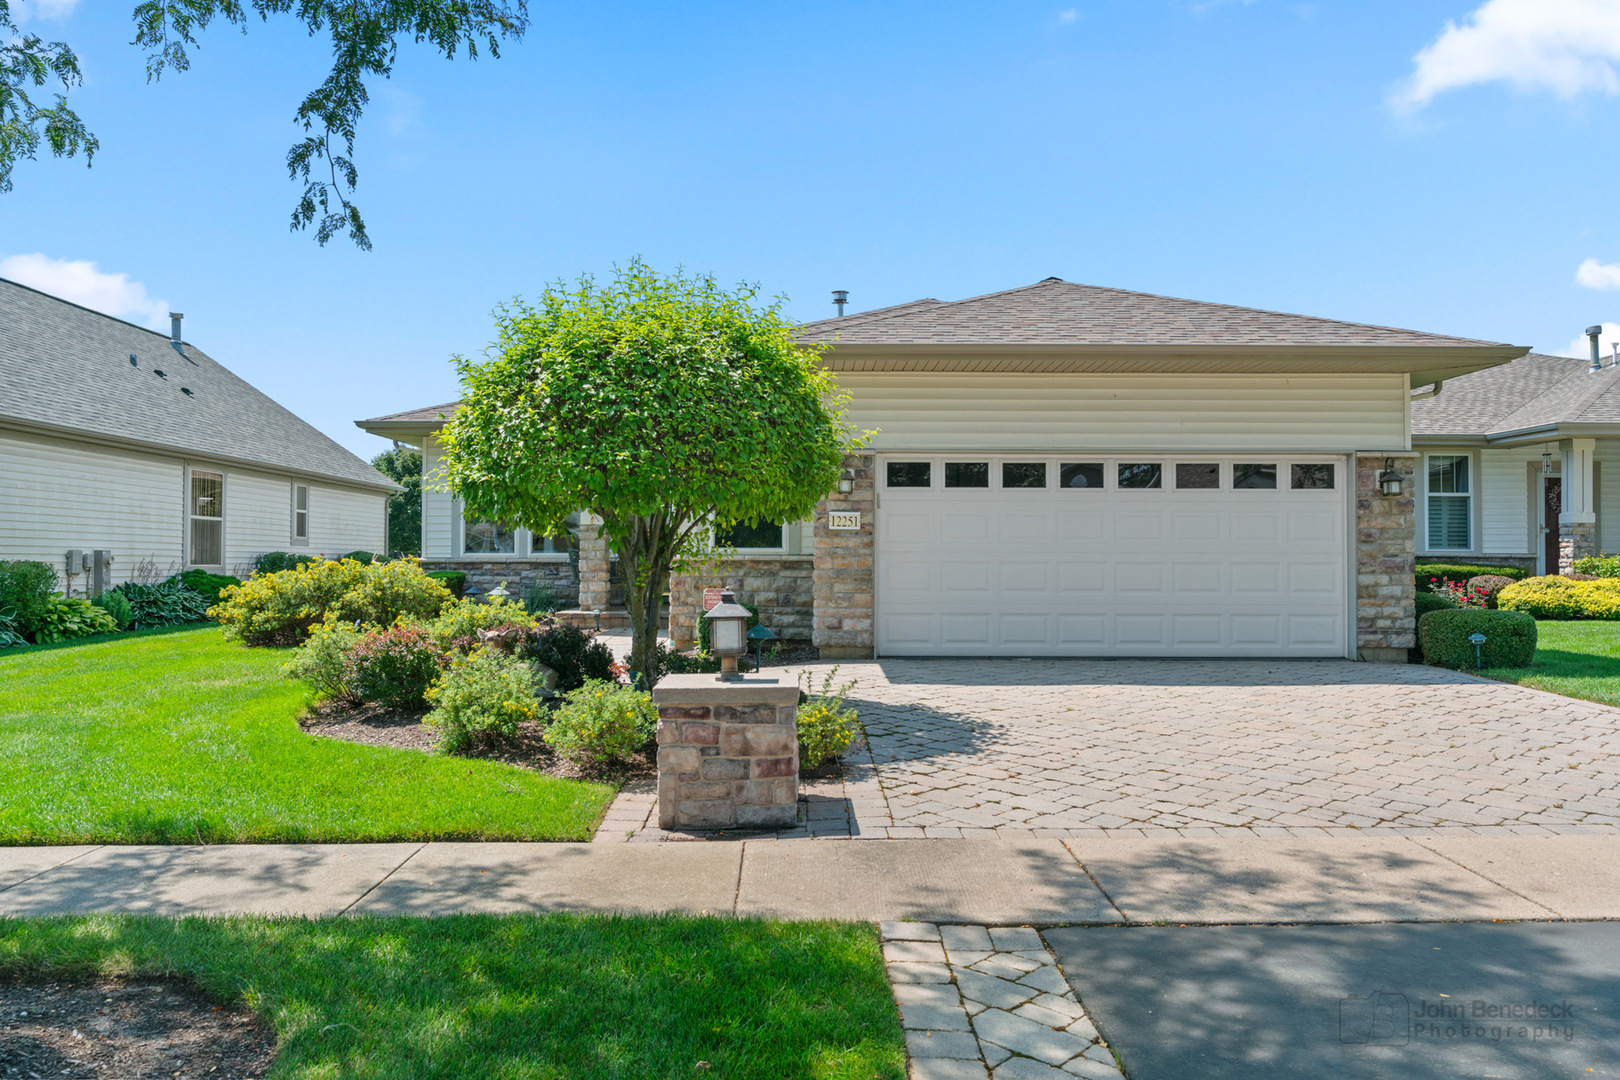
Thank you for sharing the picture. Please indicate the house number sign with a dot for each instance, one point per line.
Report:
(844, 520)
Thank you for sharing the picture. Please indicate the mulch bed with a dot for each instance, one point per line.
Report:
(125, 1030)
(403, 729)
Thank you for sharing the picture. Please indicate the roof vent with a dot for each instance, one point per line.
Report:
(133, 362)
(174, 331)
(1046, 279)
(840, 298)
(186, 390)
(160, 373)
(1592, 335)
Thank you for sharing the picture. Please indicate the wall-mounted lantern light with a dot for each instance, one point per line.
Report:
(1546, 462)
(728, 630)
(846, 482)
(1389, 481)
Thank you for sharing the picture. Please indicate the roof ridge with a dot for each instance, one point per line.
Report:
(893, 311)
(91, 310)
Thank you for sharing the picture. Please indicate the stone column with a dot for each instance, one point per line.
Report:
(593, 566)
(728, 753)
(842, 583)
(1577, 515)
(1386, 554)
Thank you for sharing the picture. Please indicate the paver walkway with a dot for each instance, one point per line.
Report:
(989, 1000)
(966, 748)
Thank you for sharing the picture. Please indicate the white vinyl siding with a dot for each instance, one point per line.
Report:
(57, 494)
(1166, 413)
(438, 507)
(1506, 527)
(1607, 487)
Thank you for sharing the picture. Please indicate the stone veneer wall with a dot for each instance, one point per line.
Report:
(843, 583)
(728, 753)
(1386, 549)
(779, 585)
(1577, 540)
(518, 574)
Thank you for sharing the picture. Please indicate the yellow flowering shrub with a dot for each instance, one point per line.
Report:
(280, 608)
(485, 695)
(1557, 597)
(602, 721)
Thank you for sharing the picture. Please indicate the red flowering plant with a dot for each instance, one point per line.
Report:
(394, 666)
(1461, 593)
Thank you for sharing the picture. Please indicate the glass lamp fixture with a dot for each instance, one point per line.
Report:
(728, 633)
(1389, 481)
(1546, 462)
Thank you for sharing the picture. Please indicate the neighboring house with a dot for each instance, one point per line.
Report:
(1521, 464)
(118, 438)
(1064, 470)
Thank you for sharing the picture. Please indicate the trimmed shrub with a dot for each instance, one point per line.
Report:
(1510, 638)
(167, 604)
(703, 627)
(25, 591)
(826, 725)
(1460, 573)
(64, 619)
(274, 562)
(281, 608)
(1599, 565)
(394, 666)
(117, 605)
(602, 722)
(321, 660)
(454, 580)
(206, 585)
(458, 624)
(1428, 601)
(1555, 597)
(570, 652)
(1486, 586)
(484, 696)
(364, 558)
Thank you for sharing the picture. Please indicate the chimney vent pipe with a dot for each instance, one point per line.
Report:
(1592, 335)
(840, 298)
(174, 329)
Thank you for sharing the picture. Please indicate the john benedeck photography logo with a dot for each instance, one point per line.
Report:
(1383, 1018)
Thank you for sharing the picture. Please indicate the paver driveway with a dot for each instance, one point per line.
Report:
(1076, 745)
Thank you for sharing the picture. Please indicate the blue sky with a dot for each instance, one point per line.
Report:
(1293, 156)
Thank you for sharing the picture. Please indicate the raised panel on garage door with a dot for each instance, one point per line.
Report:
(1104, 571)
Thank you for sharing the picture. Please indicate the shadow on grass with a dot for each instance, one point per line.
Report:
(100, 639)
(553, 996)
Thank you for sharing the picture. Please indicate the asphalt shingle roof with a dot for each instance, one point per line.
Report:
(1059, 313)
(67, 367)
(1536, 390)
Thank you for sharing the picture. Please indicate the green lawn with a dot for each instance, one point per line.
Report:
(1579, 659)
(185, 738)
(554, 997)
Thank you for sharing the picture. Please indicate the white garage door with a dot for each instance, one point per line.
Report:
(1136, 555)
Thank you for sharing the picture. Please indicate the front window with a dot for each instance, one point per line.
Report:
(755, 533)
(1450, 502)
(560, 544)
(489, 538)
(300, 512)
(207, 518)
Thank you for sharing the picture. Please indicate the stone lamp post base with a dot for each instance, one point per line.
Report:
(728, 753)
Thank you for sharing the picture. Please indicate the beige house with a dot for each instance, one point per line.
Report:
(1065, 470)
(119, 439)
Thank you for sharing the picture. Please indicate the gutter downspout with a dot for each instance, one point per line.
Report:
(1438, 383)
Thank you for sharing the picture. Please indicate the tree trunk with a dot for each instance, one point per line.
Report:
(646, 561)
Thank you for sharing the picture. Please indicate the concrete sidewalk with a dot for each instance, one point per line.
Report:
(1038, 881)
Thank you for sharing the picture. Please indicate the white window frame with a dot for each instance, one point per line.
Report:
(1429, 546)
(523, 544)
(293, 538)
(191, 518)
(779, 549)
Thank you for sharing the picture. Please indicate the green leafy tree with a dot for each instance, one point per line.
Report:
(364, 37)
(403, 466)
(662, 404)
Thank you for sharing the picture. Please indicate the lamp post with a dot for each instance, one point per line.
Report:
(728, 627)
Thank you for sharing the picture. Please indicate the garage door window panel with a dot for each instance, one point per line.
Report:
(1197, 476)
(1023, 474)
(1141, 476)
(1450, 502)
(1248, 476)
(910, 474)
(967, 474)
(1081, 474)
(1314, 477)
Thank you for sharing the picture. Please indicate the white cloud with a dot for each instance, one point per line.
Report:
(1566, 46)
(1067, 16)
(1606, 342)
(82, 283)
(1596, 275)
(44, 9)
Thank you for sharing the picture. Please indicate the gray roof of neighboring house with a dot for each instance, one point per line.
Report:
(1061, 313)
(65, 367)
(1534, 391)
